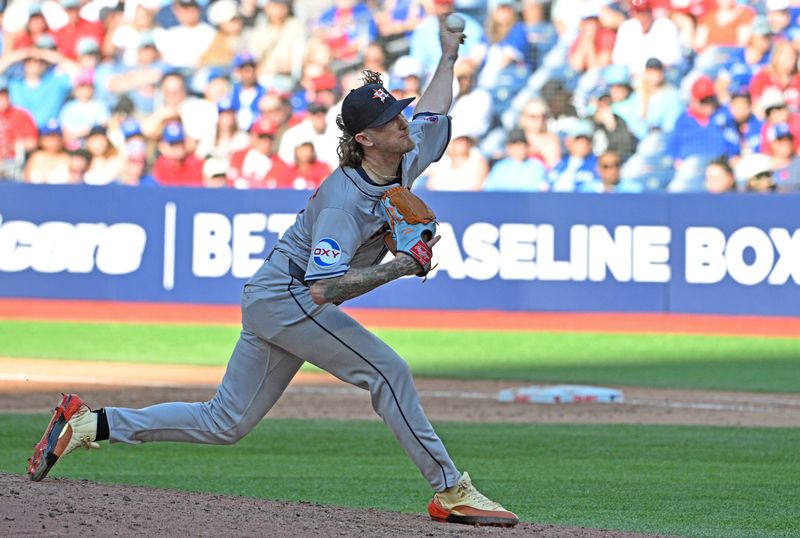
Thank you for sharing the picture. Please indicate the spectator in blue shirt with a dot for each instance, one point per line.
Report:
(246, 91)
(742, 128)
(42, 88)
(397, 18)
(579, 166)
(698, 138)
(783, 153)
(542, 35)
(745, 62)
(506, 69)
(700, 122)
(517, 171)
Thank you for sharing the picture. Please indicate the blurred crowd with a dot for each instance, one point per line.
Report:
(549, 95)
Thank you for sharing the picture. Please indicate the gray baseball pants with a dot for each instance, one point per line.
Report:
(281, 328)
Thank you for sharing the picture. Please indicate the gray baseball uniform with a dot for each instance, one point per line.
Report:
(282, 326)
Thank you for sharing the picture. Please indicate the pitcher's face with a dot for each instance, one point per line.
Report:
(392, 137)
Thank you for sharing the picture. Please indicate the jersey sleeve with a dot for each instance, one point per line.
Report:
(335, 239)
(431, 134)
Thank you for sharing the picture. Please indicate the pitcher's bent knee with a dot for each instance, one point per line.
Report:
(230, 436)
(225, 428)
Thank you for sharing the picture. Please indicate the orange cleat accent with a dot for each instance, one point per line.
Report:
(72, 425)
(463, 503)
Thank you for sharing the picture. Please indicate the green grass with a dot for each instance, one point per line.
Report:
(679, 361)
(691, 481)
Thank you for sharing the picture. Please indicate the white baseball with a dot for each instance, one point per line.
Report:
(454, 23)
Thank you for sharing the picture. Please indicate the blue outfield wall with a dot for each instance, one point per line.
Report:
(731, 254)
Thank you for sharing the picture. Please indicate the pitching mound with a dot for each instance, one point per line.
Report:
(81, 508)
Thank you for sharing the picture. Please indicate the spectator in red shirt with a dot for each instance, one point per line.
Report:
(309, 171)
(258, 166)
(77, 27)
(347, 27)
(176, 166)
(781, 73)
(18, 136)
(773, 104)
(35, 27)
(595, 42)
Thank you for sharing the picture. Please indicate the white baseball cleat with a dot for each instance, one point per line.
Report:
(463, 503)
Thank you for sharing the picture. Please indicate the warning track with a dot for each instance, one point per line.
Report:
(136, 312)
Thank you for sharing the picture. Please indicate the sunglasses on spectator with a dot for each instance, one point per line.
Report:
(771, 109)
(265, 136)
(610, 165)
(708, 100)
(761, 176)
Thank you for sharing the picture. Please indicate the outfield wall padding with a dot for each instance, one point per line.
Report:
(692, 253)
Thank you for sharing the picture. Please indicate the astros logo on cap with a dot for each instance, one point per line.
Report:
(380, 94)
(327, 252)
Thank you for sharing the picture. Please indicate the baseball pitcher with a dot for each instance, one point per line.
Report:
(290, 311)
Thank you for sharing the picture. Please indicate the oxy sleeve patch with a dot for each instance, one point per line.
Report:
(326, 253)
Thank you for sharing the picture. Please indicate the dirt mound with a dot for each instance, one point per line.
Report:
(58, 507)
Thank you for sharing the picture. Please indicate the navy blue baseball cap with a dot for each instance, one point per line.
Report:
(370, 106)
(173, 133)
(52, 127)
(130, 127)
(780, 130)
(244, 58)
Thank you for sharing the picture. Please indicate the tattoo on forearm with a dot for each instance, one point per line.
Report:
(359, 281)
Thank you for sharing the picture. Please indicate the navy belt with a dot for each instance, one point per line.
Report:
(295, 271)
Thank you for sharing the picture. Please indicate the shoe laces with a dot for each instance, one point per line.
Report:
(87, 443)
(83, 429)
(470, 496)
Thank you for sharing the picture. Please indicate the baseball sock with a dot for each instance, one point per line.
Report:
(102, 425)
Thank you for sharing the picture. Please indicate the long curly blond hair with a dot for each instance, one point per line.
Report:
(351, 152)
